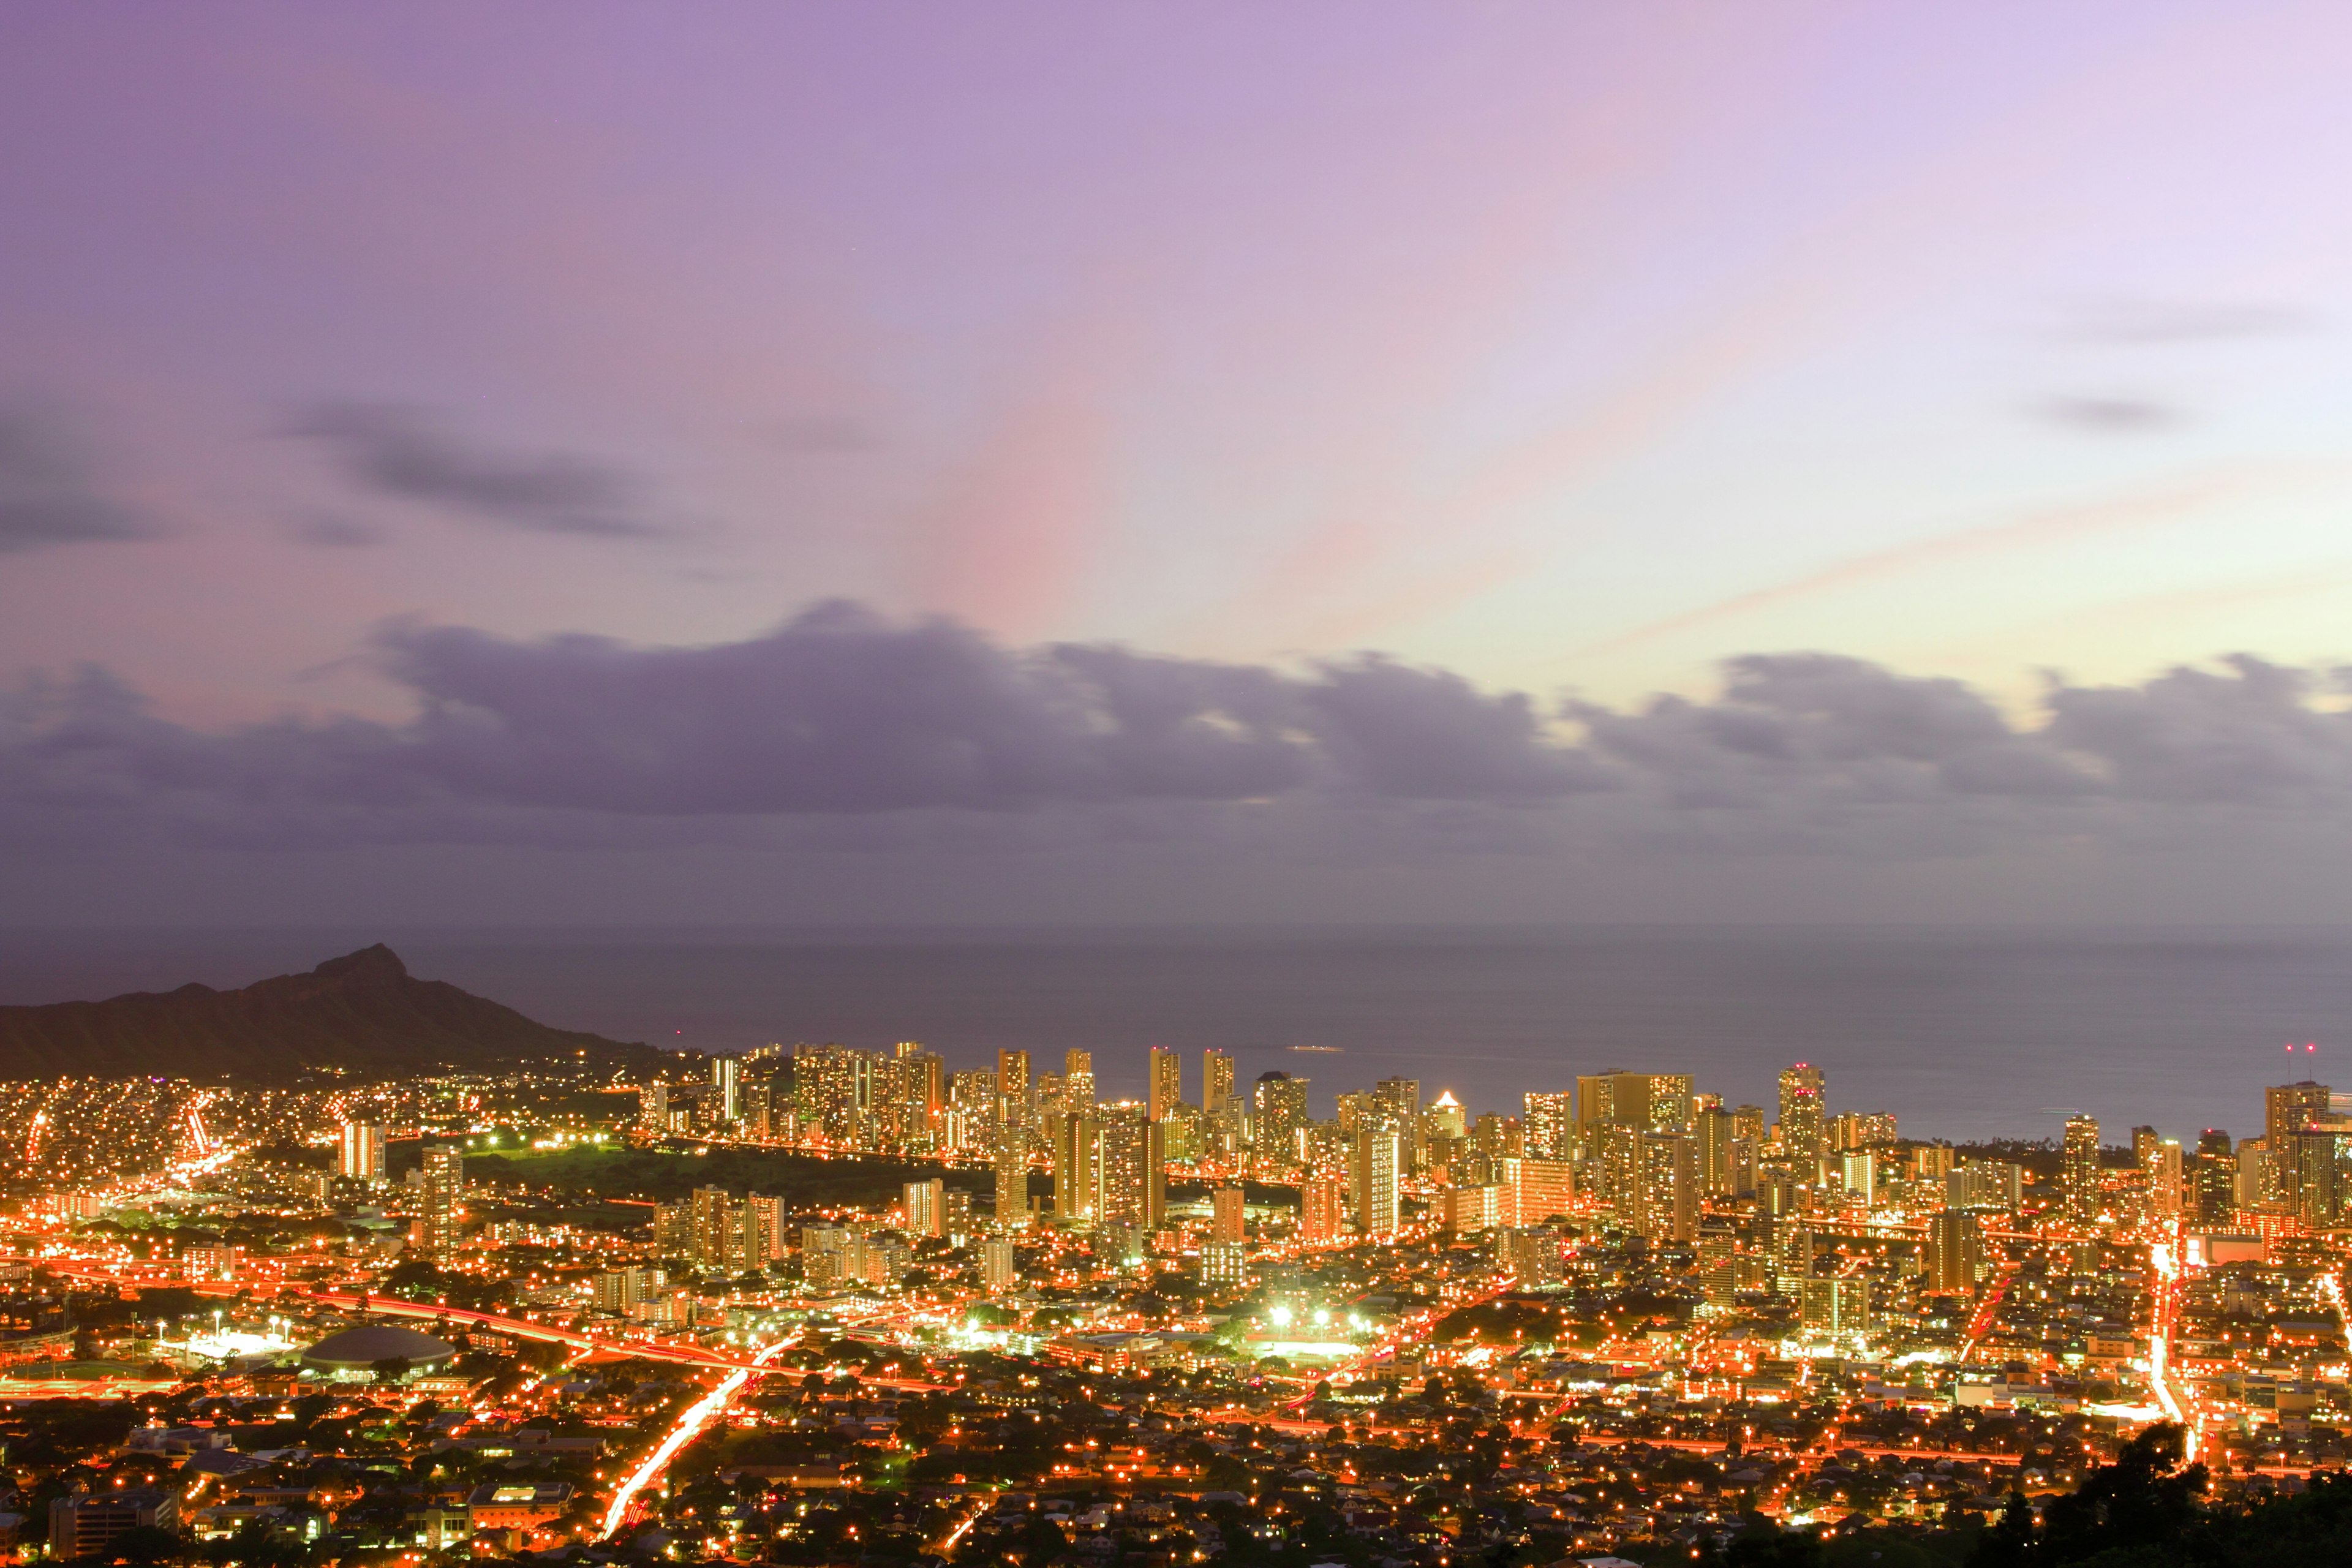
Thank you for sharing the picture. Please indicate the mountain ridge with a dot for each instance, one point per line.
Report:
(361, 1013)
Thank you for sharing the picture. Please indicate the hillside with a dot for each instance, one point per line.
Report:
(363, 1013)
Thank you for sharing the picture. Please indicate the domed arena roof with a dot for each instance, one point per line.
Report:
(360, 1349)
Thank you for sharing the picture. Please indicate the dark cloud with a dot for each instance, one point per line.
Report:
(868, 734)
(403, 452)
(2109, 415)
(333, 533)
(2130, 323)
(48, 494)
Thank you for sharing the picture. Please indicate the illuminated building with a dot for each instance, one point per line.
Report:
(1985, 1184)
(1858, 1169)
(2293, 1107)
(1955, 1249)
(1534, 1191)
(442, 1191)
(2165, 1175)
(1930, 1162)
(361, 1156)
(1225, 1263)
(2079, 1168)
(1166, 1085)
(1665, 1187)
(1532, 1253)
(971, 1112)
(1134, 1166)
(1216, 1081)
(2308, 1175)
(1076, 1143)
(1378, 1155)
(1322, 1215)
(1803, 1089)
(1446, 1118)
(1395, 1102)
(999, 1265)
(1013, 1183)
(84, 1525)
(1838, 1305)
(1078, 1083)
(1715, 1130)
(725, 1087)
(1549, 1125)
(1466, 1209)
(1012, 1092)
(1227, 1215)
(1281, 1112)
(1859, 1130)
(927, 1207)
(653, 1107)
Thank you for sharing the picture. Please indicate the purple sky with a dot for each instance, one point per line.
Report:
(1119, 377)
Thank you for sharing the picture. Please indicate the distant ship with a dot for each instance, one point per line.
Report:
(1322, 1050)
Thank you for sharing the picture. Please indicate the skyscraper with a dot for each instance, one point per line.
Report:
(2165, 1172)
(1167, 1082)
(1013, 1182)
(2212, 1190)
(1216, 1081)
(2079, 1172)
(361, 1154)
(725, 1088)
(1079, 1082)
(1378, 1156)
(2292, 1108)
(1078, 1169)
(1012, 1088)
(1716, 1130)
(1134, 1163)
(441, 1192)
(1665, 1187)
(927, 1207)
(1551, 1124)
(1803, 1091)
(1281, 1112)
(1226, 1214)
(1321, 1211)
(1955, 1251)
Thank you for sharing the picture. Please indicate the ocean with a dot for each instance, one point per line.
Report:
(1962, 1034)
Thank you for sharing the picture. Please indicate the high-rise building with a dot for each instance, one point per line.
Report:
(1858, 1172)
(927, 1207)
(1216, 1081)
(2079, 1168)
(1747, 1121)
(1167, 1089)
(2308, 1167)
(1535, 1191)
(2212, 1190)
(1859, 1130)
(1322, 1212)
(1549, 1125)
(1715, 1131)
(1447, 1119)
(361, 1154)
(1379, 1153)
(2163, 1170)
(1079, 1082)
(1013, 1091)
(1077, 1145)
(1955, 1252)
(2292, 1108)
(1227, 1215)
(1802, 1121)
(442, 1194)
(725, 1088)
(653, 1107)
(1985, 1184)
(1281, 1112)
(1465, 1210)
(999, 1265)
(1134, 1165)
(1013, 1183)
(1395, 1102)
(1665, 1189)
(1532, 1253)
(971, 1112)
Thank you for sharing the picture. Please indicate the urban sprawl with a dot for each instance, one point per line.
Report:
(819, 1305)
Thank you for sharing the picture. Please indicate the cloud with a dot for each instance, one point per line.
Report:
(402, 453)
(48, 494)
(868, 734)
(2109, 415)
(335, 533)
(2140, 322)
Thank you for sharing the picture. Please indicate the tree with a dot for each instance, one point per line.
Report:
(390, 1369)
(145, 1544)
